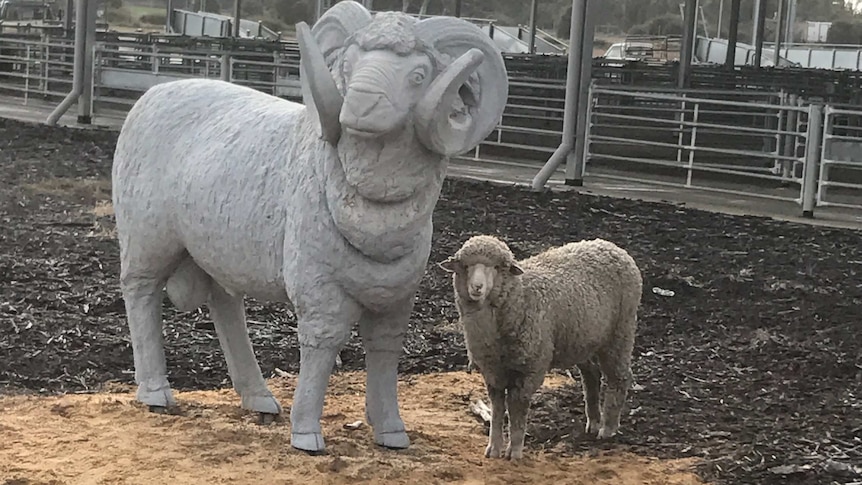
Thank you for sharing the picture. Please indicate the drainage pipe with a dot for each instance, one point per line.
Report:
(78, 66)
(573, 77)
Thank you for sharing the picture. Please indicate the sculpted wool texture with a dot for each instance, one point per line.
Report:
(221, 191)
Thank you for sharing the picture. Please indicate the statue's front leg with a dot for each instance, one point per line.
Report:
(382, 336)
(324, 327)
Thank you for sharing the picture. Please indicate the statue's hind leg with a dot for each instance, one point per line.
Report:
(228, 314)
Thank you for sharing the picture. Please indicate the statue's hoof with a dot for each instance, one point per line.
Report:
(396, 440)
(159, 409)
(308, 442)
(265, 419)
(266, 404)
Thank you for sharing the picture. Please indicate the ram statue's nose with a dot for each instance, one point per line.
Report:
(367, 113)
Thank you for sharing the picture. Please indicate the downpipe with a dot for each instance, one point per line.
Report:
(573, 78)
(78, 66)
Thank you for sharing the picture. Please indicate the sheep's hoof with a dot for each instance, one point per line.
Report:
(492, 451)
(265, 419)
(592, 427)
(159, 409)
(514, 454)
(311, 443)
(606, 432)
(266, 404)
(394, 440)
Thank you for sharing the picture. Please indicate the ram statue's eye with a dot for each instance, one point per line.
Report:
(417, 76)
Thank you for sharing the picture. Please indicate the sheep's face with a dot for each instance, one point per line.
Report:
(475, 282)
(382, 87)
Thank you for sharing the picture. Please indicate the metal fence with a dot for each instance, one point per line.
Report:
(756, 142)
(768, 145)
(841, 158)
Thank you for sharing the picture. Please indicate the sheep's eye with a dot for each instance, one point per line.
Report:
(417, 76)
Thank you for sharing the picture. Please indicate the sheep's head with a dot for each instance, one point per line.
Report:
(372, 76)
(478, 265)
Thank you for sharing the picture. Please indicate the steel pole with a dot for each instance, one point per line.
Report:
(779, 30)
(77, 66)
(575, 160)
(534, 7)
(687, 48)
(573, 77)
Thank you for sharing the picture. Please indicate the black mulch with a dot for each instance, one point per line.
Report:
(754, 365)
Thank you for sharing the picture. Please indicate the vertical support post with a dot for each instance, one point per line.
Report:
(825, 156)
(720, 18)
(458, 8)
(534, 8)
(812, 159)
(585, 150)
(67, 20)
(779, 30)
(237, 6)
(789, 138)
(681, 118)
(688, 38)
(732, 34)
(225, 67)
(169, 17)
(758, 32)
(573, 76)
(692, 144)
(791, 22)
(574, 160)
(318, 10)
(27, 76)
(84, 102)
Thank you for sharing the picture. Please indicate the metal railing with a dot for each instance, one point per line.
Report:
(734, 146)
(36, 68)
(841, 159)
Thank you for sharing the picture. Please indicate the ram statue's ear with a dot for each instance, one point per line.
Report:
(516, 270)
(450, 265)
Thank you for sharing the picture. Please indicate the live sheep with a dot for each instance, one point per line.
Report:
(573, 305)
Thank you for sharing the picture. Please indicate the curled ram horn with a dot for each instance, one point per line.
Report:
(454, 115)
(317, 48)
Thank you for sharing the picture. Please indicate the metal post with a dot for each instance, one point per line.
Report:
(791, 22)
(225, 68)
(755, 14)
(533, 14)
(573, 77)
(720, 18)
(169, 17)
(758, 32)
(692, 144)
(236, 10)
(779, 30)
(732, 34)
(84, 102)
(458, 8)
(574, 161)
(67, 20)
(318, 10)
(812, 159)
(78, 66)
(825, 155)
(688, 38)
(789, 138)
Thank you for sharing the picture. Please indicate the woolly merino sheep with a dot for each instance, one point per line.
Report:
(221, 191)
(574, 305)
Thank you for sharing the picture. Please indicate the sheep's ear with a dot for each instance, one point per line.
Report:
(515, 269)
(449, 265)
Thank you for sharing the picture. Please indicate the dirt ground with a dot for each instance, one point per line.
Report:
(753, 368)
(107, 439)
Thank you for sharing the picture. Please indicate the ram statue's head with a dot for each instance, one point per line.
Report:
(370, 76)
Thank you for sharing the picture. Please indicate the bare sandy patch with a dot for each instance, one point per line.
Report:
(107, 438)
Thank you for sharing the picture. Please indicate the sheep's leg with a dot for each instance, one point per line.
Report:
(382, 337)
(143, 300)
(518, 402)
(228, 314)
(497, 396)
(616, 366)
(324, 327)
(591, 382)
